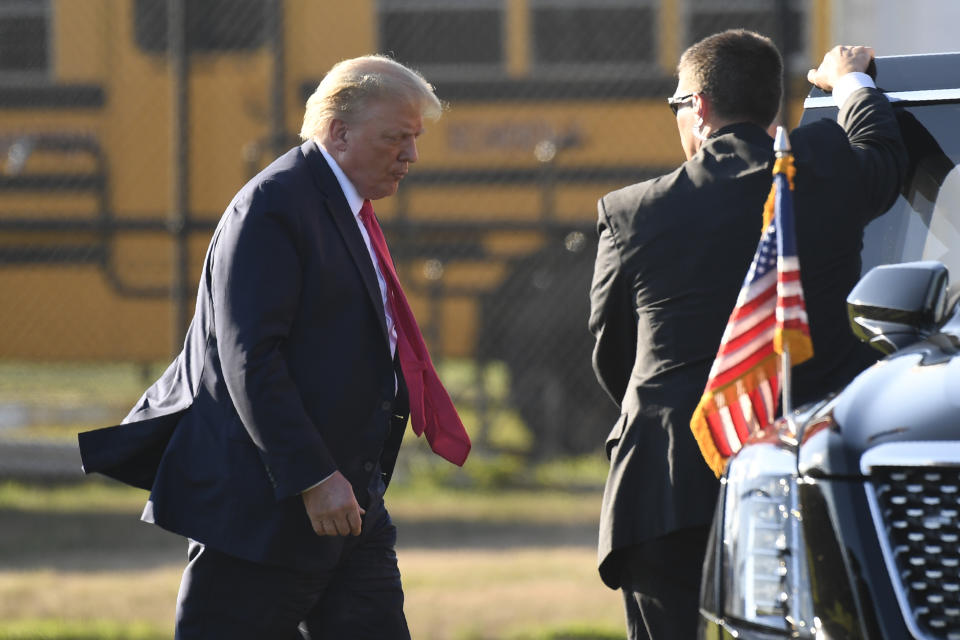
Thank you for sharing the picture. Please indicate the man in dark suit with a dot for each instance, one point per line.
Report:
(673, 252)
(270, 439)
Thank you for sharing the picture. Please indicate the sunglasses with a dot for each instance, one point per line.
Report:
(676, 102)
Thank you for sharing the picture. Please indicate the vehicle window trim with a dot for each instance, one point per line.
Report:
(906, 97)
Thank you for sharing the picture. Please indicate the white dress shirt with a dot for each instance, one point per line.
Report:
(356, 202)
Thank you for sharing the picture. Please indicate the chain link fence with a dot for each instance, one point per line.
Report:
(126, 126)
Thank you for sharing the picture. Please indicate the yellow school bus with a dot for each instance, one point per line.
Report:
(126, 126)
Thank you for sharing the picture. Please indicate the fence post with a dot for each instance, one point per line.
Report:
(178, 219)
(275, 33)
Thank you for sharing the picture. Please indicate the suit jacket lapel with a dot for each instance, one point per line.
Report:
(335, 204)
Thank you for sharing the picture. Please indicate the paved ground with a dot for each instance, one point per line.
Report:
(99, 541)
(39, 459)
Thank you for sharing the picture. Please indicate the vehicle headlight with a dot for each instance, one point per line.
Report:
(766, 581)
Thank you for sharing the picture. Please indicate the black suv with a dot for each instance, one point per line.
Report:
(844, 524)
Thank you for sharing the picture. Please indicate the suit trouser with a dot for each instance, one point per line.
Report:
(661, 585)
(360, 598)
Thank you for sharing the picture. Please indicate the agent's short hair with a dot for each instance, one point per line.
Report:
(351, 85)
(740, 71)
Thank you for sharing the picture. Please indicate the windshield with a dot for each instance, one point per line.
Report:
(924, 223)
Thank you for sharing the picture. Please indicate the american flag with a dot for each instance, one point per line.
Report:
(768, 318)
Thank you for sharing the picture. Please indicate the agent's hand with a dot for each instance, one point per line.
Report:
(332, 507)
(838, 62)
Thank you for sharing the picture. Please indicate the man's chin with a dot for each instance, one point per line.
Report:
(388, 191)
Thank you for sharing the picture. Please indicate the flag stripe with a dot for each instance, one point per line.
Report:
(756, 296)
(765, 324)
(760, 407)
(739, 424)
(790, 302)
(729, 375)
(750, 416)
(768, 396)
(798, 324)
(717, 431)
(789, 290)
(729, 429)
(788, 265)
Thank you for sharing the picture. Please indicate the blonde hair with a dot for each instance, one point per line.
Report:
(353, 84)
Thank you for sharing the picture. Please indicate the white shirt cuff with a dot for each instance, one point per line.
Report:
(318, 484)
(849, 83)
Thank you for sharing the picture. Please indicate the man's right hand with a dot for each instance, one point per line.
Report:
(332, 507)
(838, 62)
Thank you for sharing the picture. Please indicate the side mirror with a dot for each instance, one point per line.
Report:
(896, 305)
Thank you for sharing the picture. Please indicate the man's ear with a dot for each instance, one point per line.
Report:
(701, 106)
(337, 132)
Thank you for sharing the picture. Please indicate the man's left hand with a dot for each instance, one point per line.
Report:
(332, 507)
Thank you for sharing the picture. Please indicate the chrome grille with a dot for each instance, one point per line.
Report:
(919, 511)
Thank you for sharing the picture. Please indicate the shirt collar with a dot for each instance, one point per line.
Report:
(354, 201)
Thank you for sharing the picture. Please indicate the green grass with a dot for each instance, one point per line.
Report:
(90, 495)
(80, 630)
(584, 631)
(110, 630)
(420, 501)
(56, 398)
(58, 383)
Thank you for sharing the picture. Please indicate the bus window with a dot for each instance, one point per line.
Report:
(705, 17)
(445, 39)
(206, 28)
(564, 36)
(24, 38)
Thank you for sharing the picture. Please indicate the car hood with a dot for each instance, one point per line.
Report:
(911, 396)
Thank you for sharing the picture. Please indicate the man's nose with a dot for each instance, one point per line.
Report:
(409, 151)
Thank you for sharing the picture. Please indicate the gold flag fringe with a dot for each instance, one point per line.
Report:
(714, 400)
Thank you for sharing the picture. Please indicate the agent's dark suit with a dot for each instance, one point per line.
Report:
(672, 256)
(285, 376)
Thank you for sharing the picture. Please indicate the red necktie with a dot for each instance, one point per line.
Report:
(431, 410)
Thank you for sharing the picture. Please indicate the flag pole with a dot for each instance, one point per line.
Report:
(781, 146)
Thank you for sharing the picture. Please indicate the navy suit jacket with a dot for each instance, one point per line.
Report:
(285, 376)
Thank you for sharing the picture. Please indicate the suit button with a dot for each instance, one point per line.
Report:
(368, 466)
(386, 405)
